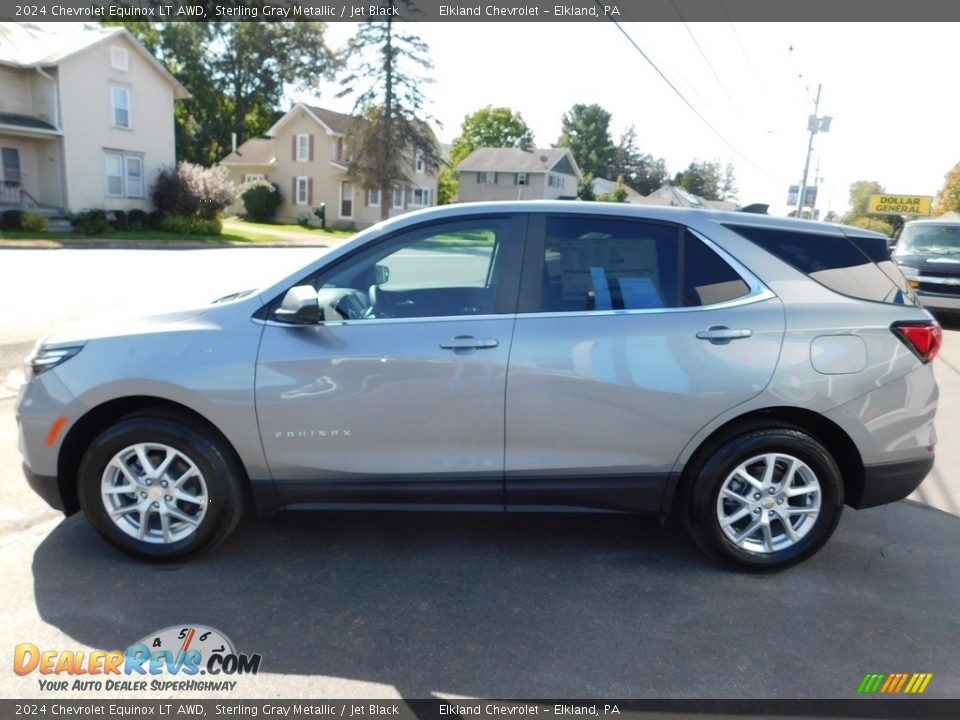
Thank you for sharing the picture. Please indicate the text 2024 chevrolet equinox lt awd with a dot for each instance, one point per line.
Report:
(749, 374)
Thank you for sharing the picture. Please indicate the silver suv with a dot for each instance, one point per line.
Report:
(748, 374)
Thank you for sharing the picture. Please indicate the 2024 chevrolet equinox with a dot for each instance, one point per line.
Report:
(749, 374)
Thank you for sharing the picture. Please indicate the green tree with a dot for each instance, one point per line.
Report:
(618, 193)
(701, 178)
(874, 223)
(386, 74)
(860, 192)
(236, 74)
(447, 185)
(585, 130)
(585, 188)
(641, 171)
(490, 127)
(949, 196)
(728, 184)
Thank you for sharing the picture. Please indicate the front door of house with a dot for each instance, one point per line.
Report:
(10, 188)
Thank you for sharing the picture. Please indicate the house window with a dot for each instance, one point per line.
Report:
(114, 164)
(303, 148)
(398, 198)
(119, 58)
(120, 105)
(303, 191)
(421, 197)
(134, 180)
(346, 199)
(342, 152)
(421, 165)
(250, 177)
(488, 178)
(521, 179)
(373, 197)
(124, 174)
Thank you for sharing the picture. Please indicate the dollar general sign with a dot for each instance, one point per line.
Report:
(900, 204)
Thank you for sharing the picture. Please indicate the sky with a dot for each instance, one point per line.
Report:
(888, 87)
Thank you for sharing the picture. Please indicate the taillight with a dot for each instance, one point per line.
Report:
(924, 339)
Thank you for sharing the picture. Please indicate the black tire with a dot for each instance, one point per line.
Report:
(702, 517)
(223, 479)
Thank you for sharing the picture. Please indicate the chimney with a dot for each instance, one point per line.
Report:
(233, 141)
(524, 144)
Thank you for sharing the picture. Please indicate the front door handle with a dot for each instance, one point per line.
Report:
(721, 334)
(468, 342)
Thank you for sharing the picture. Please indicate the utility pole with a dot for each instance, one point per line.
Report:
(815, 124)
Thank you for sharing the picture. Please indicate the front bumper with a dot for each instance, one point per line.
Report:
(888, 482)
(938, 301)
(46, 486)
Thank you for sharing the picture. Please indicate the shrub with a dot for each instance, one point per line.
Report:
(261, 199)
(11, 219)
(190, 190)
(303, 220)
(138, 220)
(34, 222)
(91, 222)
(155, 219)
(187, 225)
(875, 224)
(119, 221)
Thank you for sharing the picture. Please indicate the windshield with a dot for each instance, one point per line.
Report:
(937, 239)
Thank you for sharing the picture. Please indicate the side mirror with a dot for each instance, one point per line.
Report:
(381, 273)
(300, 305)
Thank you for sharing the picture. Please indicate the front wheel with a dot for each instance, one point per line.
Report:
(767, 499)
(160, 488)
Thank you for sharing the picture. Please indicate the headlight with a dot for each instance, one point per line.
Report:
(43, 359)
(909, 271)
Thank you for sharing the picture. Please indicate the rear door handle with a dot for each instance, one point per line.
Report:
(468, 342)
(721, 334)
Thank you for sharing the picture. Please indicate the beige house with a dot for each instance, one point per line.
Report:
(307, 155)
(518, 174)
(86, 119)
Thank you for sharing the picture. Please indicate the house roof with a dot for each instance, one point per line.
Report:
(515, 160)
(25, 121)
(602, 185)
(256, 151)
(27, 45)
(335, 122)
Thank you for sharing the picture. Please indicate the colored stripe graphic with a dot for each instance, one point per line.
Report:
(894, 683)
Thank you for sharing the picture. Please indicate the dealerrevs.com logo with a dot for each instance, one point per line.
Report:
(168, 660)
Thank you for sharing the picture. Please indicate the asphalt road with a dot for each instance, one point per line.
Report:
(421, 605)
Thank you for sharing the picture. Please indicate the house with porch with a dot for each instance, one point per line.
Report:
(86, 119)
(307, 154)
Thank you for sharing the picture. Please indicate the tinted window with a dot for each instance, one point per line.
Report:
(833, 261)
(603, 264)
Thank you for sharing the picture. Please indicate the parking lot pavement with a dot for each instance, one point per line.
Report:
(420, 605)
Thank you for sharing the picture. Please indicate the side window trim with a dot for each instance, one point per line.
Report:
(532, 281)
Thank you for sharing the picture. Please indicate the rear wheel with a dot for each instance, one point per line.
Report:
(159, 487)
(766, 499)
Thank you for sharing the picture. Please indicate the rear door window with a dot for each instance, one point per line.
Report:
(595, 264)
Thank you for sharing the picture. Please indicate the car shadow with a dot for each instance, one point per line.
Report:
(532, 605)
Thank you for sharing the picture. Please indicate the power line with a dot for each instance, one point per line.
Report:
(707, 60)
(683, 97)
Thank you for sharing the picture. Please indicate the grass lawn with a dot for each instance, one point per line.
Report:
(237, 224)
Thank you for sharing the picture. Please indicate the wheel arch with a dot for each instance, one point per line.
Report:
(85, 430)
(833, 437)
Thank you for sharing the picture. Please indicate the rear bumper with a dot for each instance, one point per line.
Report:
(889, 482)
(46, 486)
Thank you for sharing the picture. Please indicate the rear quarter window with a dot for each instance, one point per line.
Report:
(835, 261)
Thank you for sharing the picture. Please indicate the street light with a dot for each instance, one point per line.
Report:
(815, 124)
